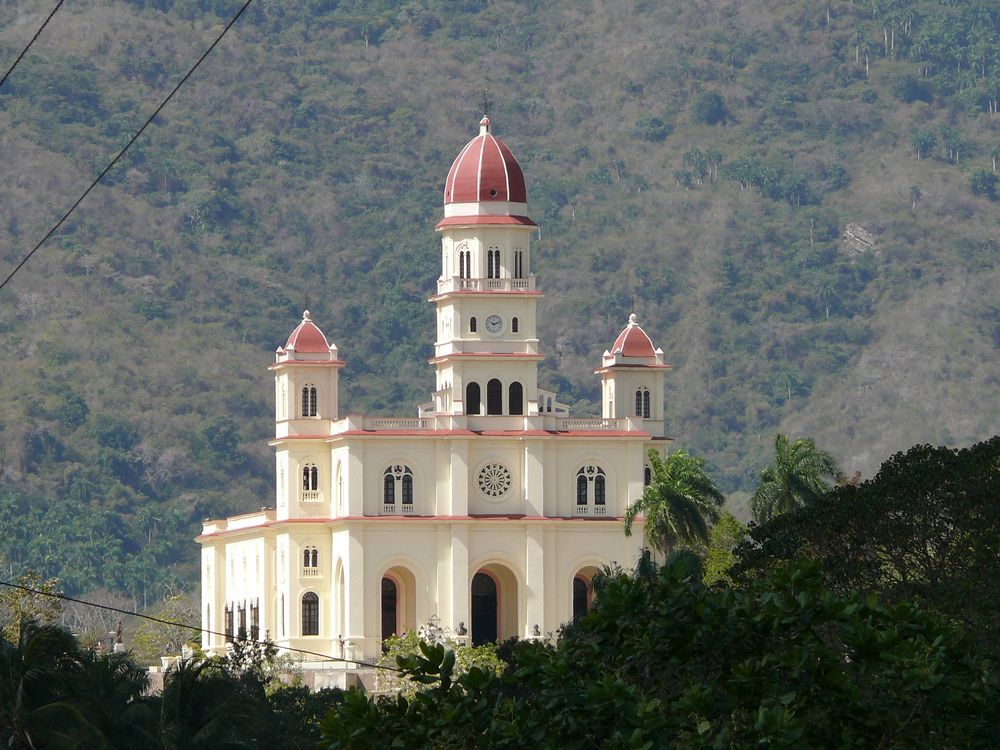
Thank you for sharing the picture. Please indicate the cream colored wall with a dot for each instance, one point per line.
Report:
(477, 240)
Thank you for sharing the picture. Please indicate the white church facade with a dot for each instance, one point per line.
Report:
(489, 512)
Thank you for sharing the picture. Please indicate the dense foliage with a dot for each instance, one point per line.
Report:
(926, 528)
(704, 177)
(55, 695)
(663, 661)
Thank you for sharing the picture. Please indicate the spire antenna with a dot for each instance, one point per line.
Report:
(485, 103)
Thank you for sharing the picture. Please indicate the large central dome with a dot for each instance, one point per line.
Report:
(485, 184)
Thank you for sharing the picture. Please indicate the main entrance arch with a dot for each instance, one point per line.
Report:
(494, 604)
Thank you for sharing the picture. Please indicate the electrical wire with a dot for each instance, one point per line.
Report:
(25, 50)
(126, 147)
(162, 621)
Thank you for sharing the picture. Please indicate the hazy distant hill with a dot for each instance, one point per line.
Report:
(698, 162)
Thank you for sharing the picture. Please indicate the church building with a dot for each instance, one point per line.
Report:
(489, 512)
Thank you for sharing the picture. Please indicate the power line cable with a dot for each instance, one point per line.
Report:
(126, 147)
(162, 621)
(25, 50)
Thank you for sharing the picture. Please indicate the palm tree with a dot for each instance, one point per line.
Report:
(796, 478)
(678, 503)
(40, 691)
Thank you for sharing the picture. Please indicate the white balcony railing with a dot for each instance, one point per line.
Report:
(397, 423)
(590, 510)
(594, 424)
(392, 509)
(311, 496)
(457, 284)
(310, 572)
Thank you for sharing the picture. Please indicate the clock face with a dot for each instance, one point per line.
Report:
(494, 324)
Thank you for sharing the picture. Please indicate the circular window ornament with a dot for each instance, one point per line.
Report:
(494, 480)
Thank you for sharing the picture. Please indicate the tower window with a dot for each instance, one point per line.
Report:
(642, 403)
(493, 262)
(229, 623)
(494, 397)
(591, 488)
(310, 614)
(518, 264)
(310, 557)
(515, 399)
(513, 325)
(473, 326)
(397, 481)
(309, 401)
(647, 477)
(465, 264)
(473, 404)
(310, 478)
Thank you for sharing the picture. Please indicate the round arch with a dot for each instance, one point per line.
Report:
(502, 600)
(409, 578)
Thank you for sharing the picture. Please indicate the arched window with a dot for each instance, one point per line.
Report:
(548, 404)
(513, 325)
(493, 262)
(647, 476)
(473, 327)
(397, 481)
(494, 397)
(518, 263)
(464, 264)
(642, 403)
(591, 489)
(473, 404)
(309, 401)
(310, 614)
(638, 403)
(310, 560)
(645, 404)
(515, 398)
(229, 623)
(310, 482)
(241, 615)
(255, 620)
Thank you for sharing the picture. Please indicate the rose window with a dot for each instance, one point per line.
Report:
(494, 480)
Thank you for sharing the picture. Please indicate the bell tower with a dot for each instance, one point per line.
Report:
(486, 348)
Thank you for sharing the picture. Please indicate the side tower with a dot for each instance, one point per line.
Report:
(486, 348)
(632, 373)
(306, 382)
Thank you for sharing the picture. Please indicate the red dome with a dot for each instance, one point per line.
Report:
(485, 170)
(633, 341)
(307, 338)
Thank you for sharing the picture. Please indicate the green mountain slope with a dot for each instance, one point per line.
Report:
(698, 163)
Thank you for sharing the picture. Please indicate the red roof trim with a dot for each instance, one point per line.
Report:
(307, 362)
(494, 517)
(500, 220)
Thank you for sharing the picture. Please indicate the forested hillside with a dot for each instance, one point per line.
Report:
(699, 163)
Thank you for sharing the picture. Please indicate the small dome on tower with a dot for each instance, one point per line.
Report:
(485, 170)
(307, 338)
(633, 341)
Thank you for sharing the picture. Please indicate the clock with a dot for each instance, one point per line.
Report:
(494, 324)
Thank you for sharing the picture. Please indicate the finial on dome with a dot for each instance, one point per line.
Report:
(633, 320)
(484, 125)
(306, 316)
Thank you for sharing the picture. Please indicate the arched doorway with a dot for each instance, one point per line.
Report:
(397, 601)
(485, 607)
(494, 397)
(494, 604)
(390, 608)
(583, 591)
